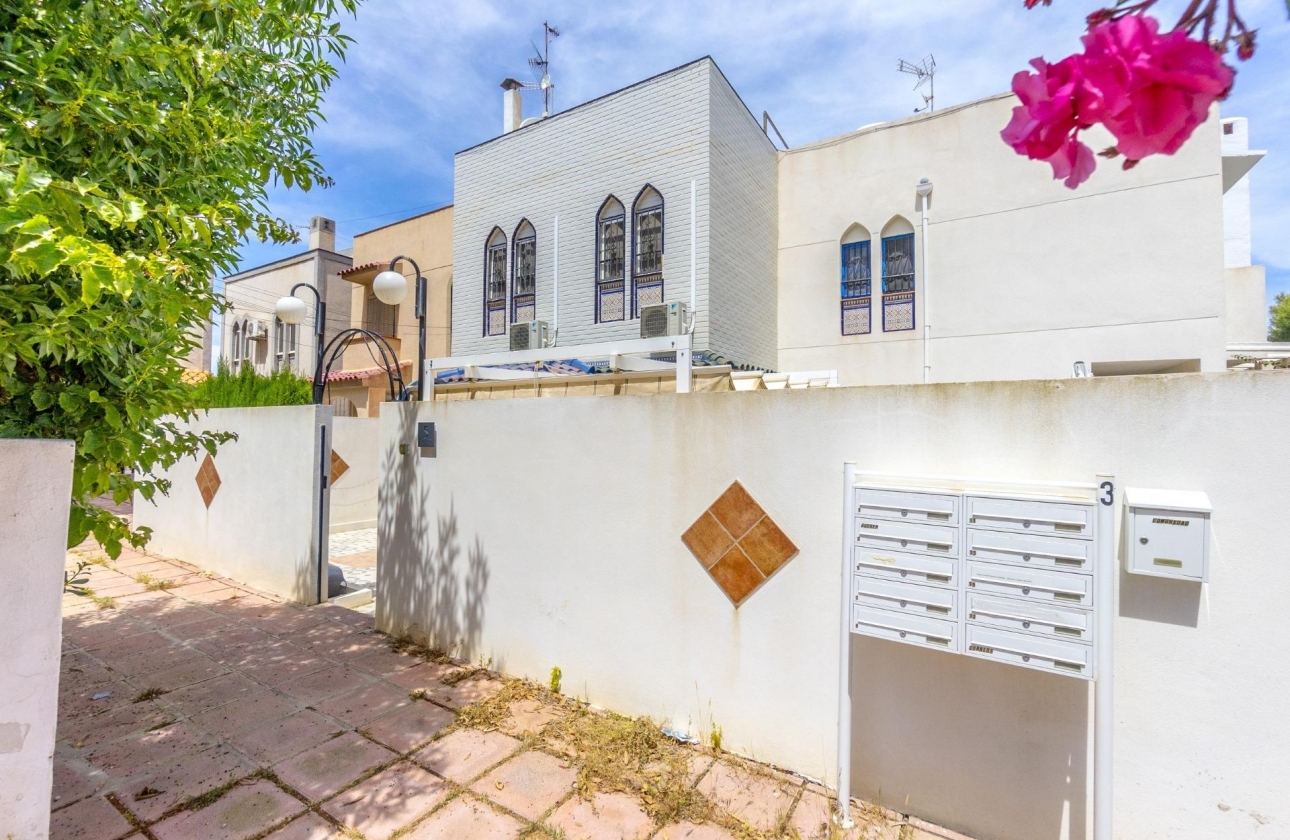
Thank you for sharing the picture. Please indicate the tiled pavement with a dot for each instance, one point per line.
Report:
(355, 553)
(210, 710)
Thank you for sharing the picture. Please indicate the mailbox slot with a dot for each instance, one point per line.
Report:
(907, 536)
(1033, 550)
(934, 633)
(1030, 516)
(914, 568)
(1030, 584)
(1067, 658)
(1030, 617)
(907, 506)
(885, 594)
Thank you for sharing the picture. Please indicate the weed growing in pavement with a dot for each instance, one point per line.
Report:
(149, 694)
(556, 674)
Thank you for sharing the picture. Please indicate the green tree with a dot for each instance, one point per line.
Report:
(1279, 329)
(137, 142)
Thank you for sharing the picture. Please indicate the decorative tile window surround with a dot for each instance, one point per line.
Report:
(738, 543)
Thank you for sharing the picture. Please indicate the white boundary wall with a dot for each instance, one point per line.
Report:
(353, 496)
(547, 532)
(35, 493)
(263, 526)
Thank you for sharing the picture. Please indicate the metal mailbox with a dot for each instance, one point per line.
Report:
(1167, 533)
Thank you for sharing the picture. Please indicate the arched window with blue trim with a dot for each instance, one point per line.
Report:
(898, 279)
(857, 281)
(647, 249)
(611, 223)
(524, 274)
(495, 284)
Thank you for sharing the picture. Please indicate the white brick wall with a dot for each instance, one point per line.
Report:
(744, 232)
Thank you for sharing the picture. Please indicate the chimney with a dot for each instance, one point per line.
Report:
(512, 106)
(322, 234)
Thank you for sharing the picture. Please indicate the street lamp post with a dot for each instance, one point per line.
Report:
(391, 287)
(291, 310)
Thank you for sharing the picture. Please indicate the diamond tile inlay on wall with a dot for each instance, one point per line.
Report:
(208, 480)
(738, 543)
(338, 467)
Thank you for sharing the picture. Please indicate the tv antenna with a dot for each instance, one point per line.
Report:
(541, 64)
(925, 70)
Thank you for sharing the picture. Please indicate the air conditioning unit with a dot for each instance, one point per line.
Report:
(664, 319)
(531, 335)
(256, 330)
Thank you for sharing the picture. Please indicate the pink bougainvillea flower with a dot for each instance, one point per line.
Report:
(1151, 91)
(1158, 87)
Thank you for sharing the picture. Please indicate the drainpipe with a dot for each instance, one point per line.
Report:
(555, 283)
(924, 189)
(694, 294)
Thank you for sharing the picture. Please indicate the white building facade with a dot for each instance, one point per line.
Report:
(827, 257)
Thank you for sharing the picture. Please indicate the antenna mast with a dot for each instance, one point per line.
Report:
(925, 70)
(541, 64)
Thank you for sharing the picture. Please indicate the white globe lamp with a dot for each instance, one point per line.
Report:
(390, 287)
(290, 309)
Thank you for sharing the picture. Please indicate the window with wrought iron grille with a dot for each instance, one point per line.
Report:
(495, 284)
(279, 343)
(610, 261)
(235, 347)
(898, 282)
(524, 283)
(857, 287)
(647, 250)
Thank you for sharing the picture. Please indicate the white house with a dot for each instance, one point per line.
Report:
(827, 257)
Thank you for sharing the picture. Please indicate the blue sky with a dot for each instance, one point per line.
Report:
(421, 82)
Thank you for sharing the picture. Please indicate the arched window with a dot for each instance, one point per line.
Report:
(647, 249)
(279, 343)
(857, 281)
(495, 284)
(898, 275)
(524, 274)
(610, 222)
(235, 346)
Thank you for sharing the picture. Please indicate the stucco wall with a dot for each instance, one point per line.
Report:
(1027, 276)
(566, 166)
(562, 547)
(353, 495)
(743, 223)
(1247, 304)
(35, 489)
(262, 527)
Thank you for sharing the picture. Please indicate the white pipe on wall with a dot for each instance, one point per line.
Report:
(694, 294)
(924, 189)
(555, 281)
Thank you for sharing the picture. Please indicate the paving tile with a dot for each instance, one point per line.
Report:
(184, 674)
(79, 702)
(410, 726)
(279, 663)
(112, 650)
(528, 717)
(390, 800)
(114, 724)
(753, 798)
(464, 754)
(330, 766)
(128, 756)
(277, 740)
(366, 704)
(529, 784)
(426, 675)
(231, 644)
(73, 781)
(466, 692)
(245, 811)
(77, 669)
(204, 627)
(690, 831)
(180, 779)
(348, 616)
(354, 645)
(155, 660)
(308, 827)
(320, 685)
(210, 694)
(321, 633)
(380, 662)
(246, 712)
(89, 819)
(608, 816)
(466, 819)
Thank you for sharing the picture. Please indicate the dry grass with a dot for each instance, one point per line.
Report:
(410, 647)
(489, 714)
(153, 584)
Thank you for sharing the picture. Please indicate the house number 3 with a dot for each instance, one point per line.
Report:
(1109, 489)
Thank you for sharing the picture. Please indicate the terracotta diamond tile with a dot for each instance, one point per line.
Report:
(208, 480)
(707, 539)
(736, 510)
(736, 575)
(738, 543)
(767, 546)
(338, 466)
